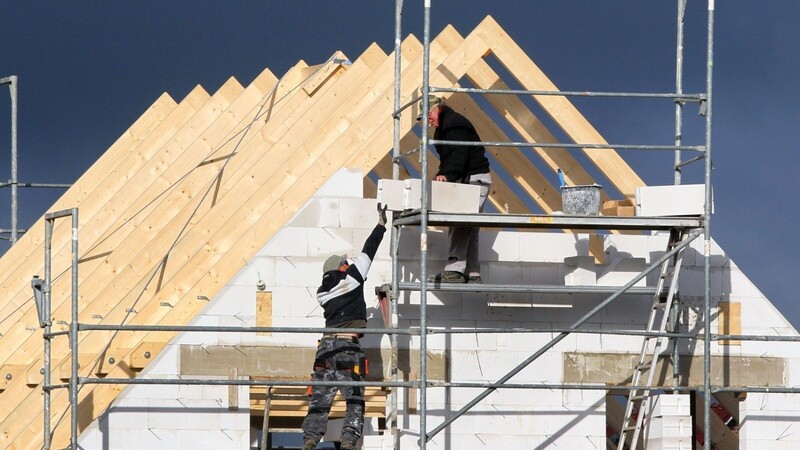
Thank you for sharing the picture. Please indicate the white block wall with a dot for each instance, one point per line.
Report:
(338, 220)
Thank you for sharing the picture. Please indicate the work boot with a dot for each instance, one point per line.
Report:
(475, 278)
(347, 446)
(448, 276)
(309, 445)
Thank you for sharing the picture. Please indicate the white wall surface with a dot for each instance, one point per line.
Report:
(338, 220)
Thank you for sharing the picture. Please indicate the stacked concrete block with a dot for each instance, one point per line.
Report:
(400, 195)
(671, 200)
(670, 426)
(551, 247)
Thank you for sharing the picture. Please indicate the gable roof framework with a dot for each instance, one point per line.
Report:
(193, 189)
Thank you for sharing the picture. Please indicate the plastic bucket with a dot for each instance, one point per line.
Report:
(581, 200)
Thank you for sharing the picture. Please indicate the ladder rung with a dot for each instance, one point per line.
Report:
(644, 366)
(659, 305)
(630, 428)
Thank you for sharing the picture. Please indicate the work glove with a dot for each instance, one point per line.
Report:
(382, 214)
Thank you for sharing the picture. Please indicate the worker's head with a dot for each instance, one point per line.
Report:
(434, 108)
(335, 262)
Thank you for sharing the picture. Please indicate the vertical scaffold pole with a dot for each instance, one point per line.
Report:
(12, 88)
(73, 335)
(707, 243)
(48, 235)
(392, 297)
(679, 90)
(423, 242)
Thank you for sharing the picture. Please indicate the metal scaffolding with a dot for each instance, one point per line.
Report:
(14, 183)
(423, 218)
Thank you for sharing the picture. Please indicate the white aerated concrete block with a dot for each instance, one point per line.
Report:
(579, 271)
(344, 183)
(670, 443)
(674, 200)
(318, 212)
(259, 268)
(323, 242)
(287, 242)
(670, 405)
(360, 213)
(621, 271)
(552, 247)
(399, 195)
(669, 427)
(498, 245)
(299, 272)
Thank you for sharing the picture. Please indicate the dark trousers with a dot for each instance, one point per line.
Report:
(337, 359)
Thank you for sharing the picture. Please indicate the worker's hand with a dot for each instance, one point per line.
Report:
(440, 178)
(382, 214)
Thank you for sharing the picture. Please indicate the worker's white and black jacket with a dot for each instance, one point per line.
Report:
(342, 293)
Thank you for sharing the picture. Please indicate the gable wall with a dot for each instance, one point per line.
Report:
(337, 220)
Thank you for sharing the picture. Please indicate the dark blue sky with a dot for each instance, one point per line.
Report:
(87, 70)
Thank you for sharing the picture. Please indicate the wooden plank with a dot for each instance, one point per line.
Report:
(233, 391)
(597, 248)
(722, 437)
(730, 321)
(292, 401)
(411, 395)
(9, 372)
(64, 368)
(263, 310)
(144, 353)
(562, 111)
(323, 73)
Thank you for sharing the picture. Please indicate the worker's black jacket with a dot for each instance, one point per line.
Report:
(342, 293)
(458, 162)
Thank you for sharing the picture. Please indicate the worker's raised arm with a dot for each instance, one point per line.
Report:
(364, 260)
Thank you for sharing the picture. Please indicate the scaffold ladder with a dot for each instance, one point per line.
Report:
(660, 320)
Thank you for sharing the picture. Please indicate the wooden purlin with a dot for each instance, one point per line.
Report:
(560, 109)
(261, 168)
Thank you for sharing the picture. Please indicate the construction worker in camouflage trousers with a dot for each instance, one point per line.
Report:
(337, 359)
(339, 355)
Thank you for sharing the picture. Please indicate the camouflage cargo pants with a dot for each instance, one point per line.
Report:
(337, 359)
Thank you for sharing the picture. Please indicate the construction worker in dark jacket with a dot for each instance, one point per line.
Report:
(459, 164)
(339, 355)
